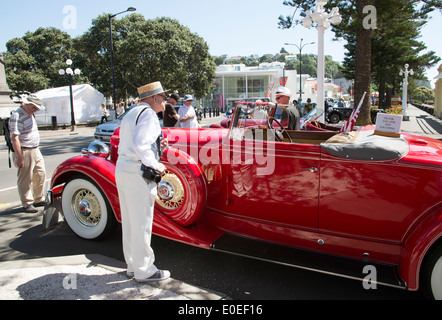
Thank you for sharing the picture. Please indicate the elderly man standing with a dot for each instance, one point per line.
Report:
(139, 152)
(187, 113)
(27, 157)
(290, 112)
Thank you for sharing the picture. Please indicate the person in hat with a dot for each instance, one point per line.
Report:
(187, 113)
(141, 143)
(290, 112)
(171, 117)
(27, 157)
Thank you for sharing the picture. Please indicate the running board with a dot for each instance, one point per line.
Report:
(386, 274)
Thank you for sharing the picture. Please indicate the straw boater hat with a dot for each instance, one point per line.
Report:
(151, 89)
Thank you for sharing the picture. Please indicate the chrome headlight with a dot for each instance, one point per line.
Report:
(97, 148)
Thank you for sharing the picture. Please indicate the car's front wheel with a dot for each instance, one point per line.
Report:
(86, 210)
(334, 118)
(432, 274)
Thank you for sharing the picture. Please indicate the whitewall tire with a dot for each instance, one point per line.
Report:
(86, 210)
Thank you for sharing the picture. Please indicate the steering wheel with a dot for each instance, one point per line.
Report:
(315, 123)
(278, 134)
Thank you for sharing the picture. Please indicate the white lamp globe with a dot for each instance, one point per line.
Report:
(316, 16)
(336, 20)
(307, 22)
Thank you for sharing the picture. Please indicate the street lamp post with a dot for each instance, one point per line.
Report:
(111, 16)
(300, 47)
(323, 20)
(69, 72)
(405, 73)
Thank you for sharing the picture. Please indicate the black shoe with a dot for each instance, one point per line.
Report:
(30, 209)
(39, 204)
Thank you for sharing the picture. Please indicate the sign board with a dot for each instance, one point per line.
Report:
(388, 125)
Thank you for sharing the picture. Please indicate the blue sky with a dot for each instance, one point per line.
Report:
(232, 27)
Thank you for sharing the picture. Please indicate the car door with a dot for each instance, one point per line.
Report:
(270, 181)
(375, 200)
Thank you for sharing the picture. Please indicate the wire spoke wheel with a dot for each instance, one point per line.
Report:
(86, 210)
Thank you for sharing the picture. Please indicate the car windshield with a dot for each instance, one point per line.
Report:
(312, 115)
(252, 114)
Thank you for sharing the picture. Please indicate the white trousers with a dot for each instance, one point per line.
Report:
(137, 199)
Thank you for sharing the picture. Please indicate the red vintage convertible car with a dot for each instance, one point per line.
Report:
(319, 200)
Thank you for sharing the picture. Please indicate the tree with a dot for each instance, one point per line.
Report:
(358, 33)
(423, 94)
(145, 51)
(34, 60)
(351, 26)
(395, 43)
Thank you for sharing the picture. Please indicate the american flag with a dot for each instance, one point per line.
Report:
(350, 124)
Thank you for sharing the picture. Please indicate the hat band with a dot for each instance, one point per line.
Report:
(151, 93)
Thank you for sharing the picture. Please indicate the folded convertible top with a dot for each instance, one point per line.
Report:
(365, 145)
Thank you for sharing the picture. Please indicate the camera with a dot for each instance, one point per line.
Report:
(151, 174)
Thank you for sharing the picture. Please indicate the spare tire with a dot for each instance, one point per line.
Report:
(182, 192)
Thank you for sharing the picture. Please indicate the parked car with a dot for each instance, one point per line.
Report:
(336, 114)
(105, 131)
(320, 200)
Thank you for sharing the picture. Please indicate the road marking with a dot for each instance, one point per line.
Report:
(12, 188)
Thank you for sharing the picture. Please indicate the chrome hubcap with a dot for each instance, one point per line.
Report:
(86, 208)
(170, 192)
(165, 191)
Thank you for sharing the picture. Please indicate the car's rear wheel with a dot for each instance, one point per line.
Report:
(86, 210)
(431, 279)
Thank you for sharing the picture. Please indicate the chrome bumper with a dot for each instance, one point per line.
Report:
(53, 210)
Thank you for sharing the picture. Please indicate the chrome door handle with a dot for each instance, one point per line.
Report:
(312, 170)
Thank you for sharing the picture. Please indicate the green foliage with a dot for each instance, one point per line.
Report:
(378, 54)
(144, 51)
(423, 94)
(34, 60)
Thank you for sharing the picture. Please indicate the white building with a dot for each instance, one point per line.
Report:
(331, 90)
(235, 82)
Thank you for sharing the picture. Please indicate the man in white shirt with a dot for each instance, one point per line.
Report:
(141, 143)
(187, 113)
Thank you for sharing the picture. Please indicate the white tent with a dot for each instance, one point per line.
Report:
(87, 104)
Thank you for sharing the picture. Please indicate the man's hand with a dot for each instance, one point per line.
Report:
(19, 161)
(161, 168)
(164, 144)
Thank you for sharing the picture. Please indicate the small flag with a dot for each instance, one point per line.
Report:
(350, 124)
